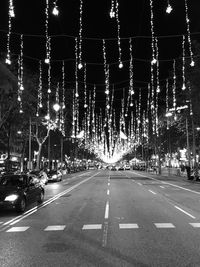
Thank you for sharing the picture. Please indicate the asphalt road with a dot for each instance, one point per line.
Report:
(107, 218)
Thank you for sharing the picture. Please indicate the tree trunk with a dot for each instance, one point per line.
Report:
(38, 156)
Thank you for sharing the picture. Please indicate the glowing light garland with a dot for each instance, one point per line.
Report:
(11, 15)
(76, 68)
(157, 68)
(48, 45)
(63, 85)
(112, 9)
(39, 101)
(174, 89)
(131, 72)
(80, 65)
(21, 64)
(183, 64)
(167, 101)
(55, 10)
(152, 34)
(19, 92)
(192, 63)
(118, 34)
(85, 86)
(169, 8)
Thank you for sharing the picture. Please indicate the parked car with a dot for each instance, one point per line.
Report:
(54, 176)
(127, 167)
(42, 176)
(19, 190)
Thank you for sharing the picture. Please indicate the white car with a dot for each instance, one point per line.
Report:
(127, 167)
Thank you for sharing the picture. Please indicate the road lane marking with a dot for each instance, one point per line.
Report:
(152, 192)
(164, 225)
(45, 203)
(91, 226)
(18, 229)
(106, 211)
(55, 228)
(166, 183)
(128, 226)
(105, 234)
(108, 183)
(108, 192)
(162, 187)
(139, 183)
(185, 212)
(196, 225)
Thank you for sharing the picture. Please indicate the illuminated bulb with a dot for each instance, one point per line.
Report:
(120, 65)
(37, 115)
(153, 61)
(19, 98)
(126, 115)
(8, 61)
(169, 9)
(47, 117)
(76, 95)
(85, 105)
(132, 92)
(112, 14)
(183, 87)
(80, 66)
(192, 63)
(40, 105)
(175, 117)
(63, 106)
(11, 13)
(131, 104)
(21, 87)
(55, 11)
(107, 92)
(49, 91)
(47, 60)
(158, 89)
(108, 106)
(20, 111)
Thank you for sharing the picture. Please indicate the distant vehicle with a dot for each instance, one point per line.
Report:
(54, 176)
(127, 167)
(42, 176)
(19, 190)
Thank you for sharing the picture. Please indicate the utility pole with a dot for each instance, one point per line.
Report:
(29, 158)
(49, 153)
(188, 144)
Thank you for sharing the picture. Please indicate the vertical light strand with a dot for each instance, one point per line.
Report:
(47, 59)
(174, 89)
(112, 9)
(39, 97)
(167, 101)
(19, 92)
(55, 10)
(21, 63)
(49, 79)
(63, 85)
(192, 63)
(118, 35)
(131, 72)
(169, 8)
(11, 15)
(157, 67)
(183, 64)
(80, 65)
(85, 86)
(76, 67)
(73, 116)
(152, 34)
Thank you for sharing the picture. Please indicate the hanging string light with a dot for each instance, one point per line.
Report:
(157, 67)
(80, 64)
(152, 34)
(112, 9)
(21, 63)
(76, 67)
(118, 34)
(131, 72)
(39, 101)
(49, 79)
(192, 63)
(11, 15)
(48, 48)
(174, 89)
(85, 87)
(169, 8)
(183, 64)
(63, 85)
(167, 101)
(19, 92)
(55, 10)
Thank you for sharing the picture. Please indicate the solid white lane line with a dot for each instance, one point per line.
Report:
(196, 225)
(18, 229)
(185, 212)
(107, 210)
(45, 203)
(152, 192)
(162, 187)
(108, 184)
(164, 225)
(166, 183)
(108, 192)
(55, 228)
(105, 234)
(91, 226)
(128, 226)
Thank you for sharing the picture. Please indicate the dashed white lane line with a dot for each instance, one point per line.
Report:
(164, 225)
(185, 212)
(108, 183)
(105, 234)
(162, 187)
(106, 211)
(139, 183)
(55, 228)
(128, 226)
(195, 225)
(108, 192)
(92, 227)
(152, 192)
(18, 229)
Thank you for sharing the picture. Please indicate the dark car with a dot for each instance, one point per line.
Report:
(19, 190)
(54, 176)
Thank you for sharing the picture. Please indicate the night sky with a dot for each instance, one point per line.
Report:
(134, 16)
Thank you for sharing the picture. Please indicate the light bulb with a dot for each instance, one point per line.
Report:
(132, 92)
(183, 87)
(80, 66)
(192, 63)
(76, 94)
(21, 87)
(47, 60)
(19, 98)
(40, 105)
(126, 115)
(85, 105)
(49, 91)
(8, 61)
(120, 65)
(20, 111)
(55, 11)
(131, 104)
(107, 92)
(112, 14)
(153, 61)
(169, 9)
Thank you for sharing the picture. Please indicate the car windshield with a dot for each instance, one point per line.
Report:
(52, 172)
(12, 180)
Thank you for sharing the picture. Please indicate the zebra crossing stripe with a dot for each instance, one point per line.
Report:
(55, 228)
(196, 225)
(128, 226)
(92, 227)
(164, 225)
(18, 229)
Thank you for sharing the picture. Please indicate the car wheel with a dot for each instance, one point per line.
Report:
(21, 206)
(41, 197)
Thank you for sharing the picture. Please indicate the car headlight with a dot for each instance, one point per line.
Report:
(54, 176)
(11, 197)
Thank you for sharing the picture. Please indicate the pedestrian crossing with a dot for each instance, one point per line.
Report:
(89, 227)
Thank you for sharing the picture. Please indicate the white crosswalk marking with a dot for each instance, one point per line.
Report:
(128, 226)
(55, 228)
(196, 225)
(164, 225)
(91, 226)
(18, 229)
